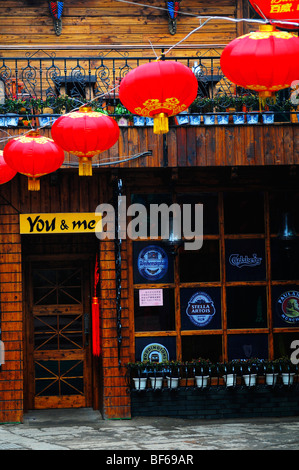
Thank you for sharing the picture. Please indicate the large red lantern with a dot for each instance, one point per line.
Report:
(158, 89)
(6, 173)
(278, 10)
(34, 156)
(85, 134)
(265, 61)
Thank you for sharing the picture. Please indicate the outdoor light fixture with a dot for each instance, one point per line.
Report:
(287, 231)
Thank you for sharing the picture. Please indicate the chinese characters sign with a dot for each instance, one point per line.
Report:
(277, 9)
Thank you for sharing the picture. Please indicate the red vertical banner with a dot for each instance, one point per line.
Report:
(95, 312)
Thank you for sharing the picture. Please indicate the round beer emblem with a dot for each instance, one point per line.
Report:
(288, 306)
(200, 309)
(152, 263)
(155, 352)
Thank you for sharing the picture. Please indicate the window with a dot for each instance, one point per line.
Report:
(236, 297)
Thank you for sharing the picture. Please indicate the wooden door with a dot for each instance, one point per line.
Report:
(58, 349)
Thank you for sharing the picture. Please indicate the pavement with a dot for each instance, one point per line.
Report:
(84, 429)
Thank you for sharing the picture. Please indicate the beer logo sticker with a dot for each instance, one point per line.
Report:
(240, 261)
(288, 306)
(200, 309)
(152, 263)
(155, 352)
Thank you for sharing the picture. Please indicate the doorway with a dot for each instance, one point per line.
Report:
(58, 347)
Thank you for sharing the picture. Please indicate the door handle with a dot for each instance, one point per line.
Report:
(86, 328)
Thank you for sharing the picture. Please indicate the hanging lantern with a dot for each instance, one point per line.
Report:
(278, 10)
(6, 172)
(34, 156)
(85, 134)
(265, 61)
(158, 89)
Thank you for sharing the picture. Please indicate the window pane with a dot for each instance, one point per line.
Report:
(247, 345)
(284, 260)
(283, 344)
(245, 260)
(155, 348)
(152, 263)
(210, 210)
(246, 307)
(281, 203)
(201, 265)
(155, 318)
(200, 308)
(146, 200)
(285, 306)
(207, 347)
(244, 212)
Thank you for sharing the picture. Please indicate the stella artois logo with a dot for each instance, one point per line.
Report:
(200, 309)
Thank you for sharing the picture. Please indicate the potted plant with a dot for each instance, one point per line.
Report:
(138, 373)
(251, 102)
(202, 370)
(229, 371)
(156, 374)
(270, 369)
(249, 369)
(123, 115)
(222, 103)
(173, 368)
(239, 115)
(287, 370)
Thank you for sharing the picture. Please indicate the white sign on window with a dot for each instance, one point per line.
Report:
(150, 297)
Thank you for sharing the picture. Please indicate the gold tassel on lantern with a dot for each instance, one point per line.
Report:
(85, 166)
(33, 184)
(161, 123)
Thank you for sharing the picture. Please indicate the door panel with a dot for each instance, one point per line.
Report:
(59, 356)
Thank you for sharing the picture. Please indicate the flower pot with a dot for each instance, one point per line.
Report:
(123, 122)
(268, 118)
(223, 118)
(287, 378)
(271, 379)
(149, 121)
(12, 119)
(239, 118)
(250, 380)
(201, 380)
(182, 119)
(252, 118)
(156, 382)
(172, 382)
(195, 119)
(140, 383)
(209, 119)
(44, 120)
(3, 122)
(230, 380)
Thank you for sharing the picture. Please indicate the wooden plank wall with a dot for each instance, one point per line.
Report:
(113, 22)
(11, 375)
(200, 146)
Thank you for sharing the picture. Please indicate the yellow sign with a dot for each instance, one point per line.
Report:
(70, 222)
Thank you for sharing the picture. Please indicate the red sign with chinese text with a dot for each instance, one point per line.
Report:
(287, 10)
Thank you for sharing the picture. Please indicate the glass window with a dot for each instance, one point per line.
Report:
(201, 265)
(246, 307)
(152, 263)
(200, 308)
(210, 210)
(245, 260)
(243, 212)
(285, 306)
(155, 317)
(155, 348)
(247, 345)
(146, 200)
(285, 344)
(205, 346)
(284, 260)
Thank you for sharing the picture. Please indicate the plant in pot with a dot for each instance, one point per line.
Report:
(173, 369)
(229, 371)
(271, 370)
(156, 374)
(287, 370)
(251, 103)
(249, 369)
(123, 115)
(138, 373)
(239, 115)
(202, 371)
(222, 104)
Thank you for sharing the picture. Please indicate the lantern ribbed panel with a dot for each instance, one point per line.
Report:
(6, 172)
(158, 88)
(264, 61)
(33, 155)
(85, 134)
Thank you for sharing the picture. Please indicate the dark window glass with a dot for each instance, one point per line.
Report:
(284, 260)
(152, 263)
(281, 203)
(200, 308)
(245, 260)
(283, 345)
(201, 265)
(247, 346)
(243, 212)
(210, 210)
(146, 200)
(207, 347)
(155, 318)
(246, 307)
(155, 348)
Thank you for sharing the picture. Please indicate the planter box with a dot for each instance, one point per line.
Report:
(268, 118)
(181, 119)
(239, 118)
(223, 119)
(195, 119)
(12, 119)
(138, 120)
(149, 121)
(209, 119)
(252, 118)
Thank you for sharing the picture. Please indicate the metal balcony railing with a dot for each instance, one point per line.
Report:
(43, 79)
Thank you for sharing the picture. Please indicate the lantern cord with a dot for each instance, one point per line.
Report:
(148, 153)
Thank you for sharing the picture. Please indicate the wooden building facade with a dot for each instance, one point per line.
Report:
(246, 177)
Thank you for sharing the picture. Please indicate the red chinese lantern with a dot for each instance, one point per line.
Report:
(34, 156)
(85, 134)
(6, 173)
(158, 89)
(265, 61)
(278, 10)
